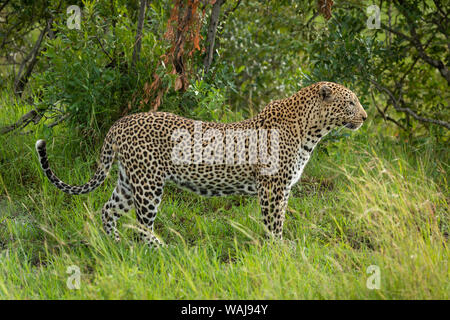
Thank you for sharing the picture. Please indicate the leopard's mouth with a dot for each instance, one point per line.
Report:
(353, 125)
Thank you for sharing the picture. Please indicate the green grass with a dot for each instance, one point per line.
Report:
(373, 200)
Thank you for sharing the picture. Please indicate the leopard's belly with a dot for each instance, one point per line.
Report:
(215, 180)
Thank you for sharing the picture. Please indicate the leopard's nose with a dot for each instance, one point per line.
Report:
(363, 114)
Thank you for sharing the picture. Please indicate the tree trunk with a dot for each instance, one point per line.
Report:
(212, 29)
(184, 19)
(140, 25)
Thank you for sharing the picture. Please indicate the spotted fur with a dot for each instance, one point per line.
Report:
(143, 145)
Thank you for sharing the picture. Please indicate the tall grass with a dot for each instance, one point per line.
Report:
(373, 200)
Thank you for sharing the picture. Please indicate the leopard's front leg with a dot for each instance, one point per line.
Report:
(273, 198)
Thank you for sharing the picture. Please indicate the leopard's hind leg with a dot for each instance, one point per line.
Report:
(121, 201)
(147, 197)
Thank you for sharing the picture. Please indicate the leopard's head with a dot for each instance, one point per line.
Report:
(338, 106)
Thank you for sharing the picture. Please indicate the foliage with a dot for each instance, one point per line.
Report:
(265, 61)
(393, 68)
(88, 73)
(85, 88)
(18, 23)
(377, 61)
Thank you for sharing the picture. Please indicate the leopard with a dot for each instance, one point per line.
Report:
(262, 156)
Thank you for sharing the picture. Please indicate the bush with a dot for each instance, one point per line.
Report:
(89, 77)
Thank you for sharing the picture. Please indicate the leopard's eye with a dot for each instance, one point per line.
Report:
(350, 110)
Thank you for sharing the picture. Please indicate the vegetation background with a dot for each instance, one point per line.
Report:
(376, 197)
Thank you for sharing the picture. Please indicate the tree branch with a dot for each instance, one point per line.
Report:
(58, 121)
(383, 113)
(22, 80)
(231, 10)
(396, 103)
(315, 15)
(4, 5)
(31, 116)
(439, 7)
(103, 49)
(414, 39)
(433, 62)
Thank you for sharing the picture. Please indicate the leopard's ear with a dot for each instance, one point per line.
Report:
(325, 93)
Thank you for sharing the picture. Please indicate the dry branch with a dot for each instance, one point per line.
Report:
(22, 79)
(31, 116)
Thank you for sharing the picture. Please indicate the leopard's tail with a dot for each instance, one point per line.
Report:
(106, 160)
